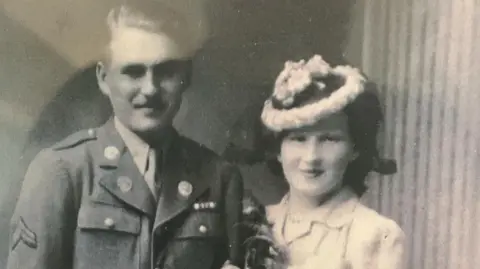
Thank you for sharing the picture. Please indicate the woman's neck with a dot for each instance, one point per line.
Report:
(301, 203)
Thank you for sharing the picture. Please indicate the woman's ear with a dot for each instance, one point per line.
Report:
(101, 74)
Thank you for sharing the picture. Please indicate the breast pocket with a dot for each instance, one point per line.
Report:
(107, 237)
(200, 242)
(202, 225)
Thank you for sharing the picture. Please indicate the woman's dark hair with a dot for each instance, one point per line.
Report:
(364, 118)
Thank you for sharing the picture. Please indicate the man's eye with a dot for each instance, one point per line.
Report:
(134, 71)
(163, 71)
(168, 70)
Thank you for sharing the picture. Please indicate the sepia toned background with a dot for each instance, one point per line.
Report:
(423, 55)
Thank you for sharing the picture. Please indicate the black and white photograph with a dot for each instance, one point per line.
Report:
(240, 134)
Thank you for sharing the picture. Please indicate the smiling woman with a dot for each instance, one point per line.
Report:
(322, 122)
(314, 158)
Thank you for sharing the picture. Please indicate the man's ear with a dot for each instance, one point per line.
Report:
(188, 76)
(101, 73)
(355, 155)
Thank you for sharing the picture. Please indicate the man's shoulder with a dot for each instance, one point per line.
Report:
(200, 155)
(76, 139)
(196, 150)
(59, 161)
(68, 151)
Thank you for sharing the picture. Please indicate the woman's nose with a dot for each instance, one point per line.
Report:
(311, 152)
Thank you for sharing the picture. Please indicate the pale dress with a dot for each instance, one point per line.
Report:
(342, 233)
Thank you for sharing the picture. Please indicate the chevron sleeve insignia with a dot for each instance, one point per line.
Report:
(24, 234)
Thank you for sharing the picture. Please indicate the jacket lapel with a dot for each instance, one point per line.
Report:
(122, 178)
(186, 177)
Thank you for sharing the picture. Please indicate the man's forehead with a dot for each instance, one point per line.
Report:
(133, 46)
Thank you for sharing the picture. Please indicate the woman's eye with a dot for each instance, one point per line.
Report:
(298, 138)
(332, 138)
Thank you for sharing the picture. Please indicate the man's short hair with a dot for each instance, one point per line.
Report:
(170, 20)
(125, 16)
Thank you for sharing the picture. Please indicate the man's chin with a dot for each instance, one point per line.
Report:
(146, 126)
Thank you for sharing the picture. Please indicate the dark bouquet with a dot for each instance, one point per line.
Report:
(262, 251)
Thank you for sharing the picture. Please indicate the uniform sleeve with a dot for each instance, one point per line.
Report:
(41, 234)
(233, 208)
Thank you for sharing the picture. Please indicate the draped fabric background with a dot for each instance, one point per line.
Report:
(425, 55)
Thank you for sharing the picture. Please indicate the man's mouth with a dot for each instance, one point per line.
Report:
(152, 109)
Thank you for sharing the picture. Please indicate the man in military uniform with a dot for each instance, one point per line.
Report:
(132, 193)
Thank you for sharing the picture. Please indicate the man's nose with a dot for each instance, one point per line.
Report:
(148, 84)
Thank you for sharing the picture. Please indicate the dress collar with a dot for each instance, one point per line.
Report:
(335, 213)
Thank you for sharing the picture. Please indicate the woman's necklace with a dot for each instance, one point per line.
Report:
(294, 218)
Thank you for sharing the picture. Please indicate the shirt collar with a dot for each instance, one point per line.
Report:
(137, 147)
(335, 213)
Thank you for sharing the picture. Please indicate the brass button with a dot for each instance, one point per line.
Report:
(111, 153)
(109, 222)
(124, 184)
(203, 229)
(185, 188)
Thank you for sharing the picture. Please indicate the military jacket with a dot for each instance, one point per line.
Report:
(85, 205)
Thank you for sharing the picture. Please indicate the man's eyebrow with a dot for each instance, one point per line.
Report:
(133, 68)
(171, 63)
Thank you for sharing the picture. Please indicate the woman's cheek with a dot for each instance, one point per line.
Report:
(336, 155)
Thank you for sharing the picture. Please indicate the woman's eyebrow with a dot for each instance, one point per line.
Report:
(331, 133)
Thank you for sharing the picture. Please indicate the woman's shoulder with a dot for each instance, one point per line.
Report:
(375, 239)
(371, 224)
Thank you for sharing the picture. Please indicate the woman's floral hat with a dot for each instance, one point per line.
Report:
(280, 112)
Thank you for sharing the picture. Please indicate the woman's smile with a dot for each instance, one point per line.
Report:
(312, 173)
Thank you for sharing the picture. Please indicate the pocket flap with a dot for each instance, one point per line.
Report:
(105, 217)
(201, 224)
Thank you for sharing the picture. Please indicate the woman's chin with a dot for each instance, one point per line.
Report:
(311, 189)
(313, 186)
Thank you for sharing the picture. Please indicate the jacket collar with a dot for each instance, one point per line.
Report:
(188, 174)
(123, 178)
(136, 146)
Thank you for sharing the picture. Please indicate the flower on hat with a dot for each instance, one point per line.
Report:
(294, 79)
(296, 76)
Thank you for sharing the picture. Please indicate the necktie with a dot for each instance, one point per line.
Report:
(158, 172)
(150, 171)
